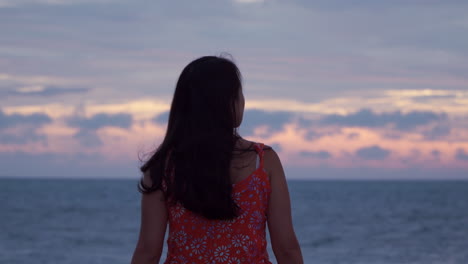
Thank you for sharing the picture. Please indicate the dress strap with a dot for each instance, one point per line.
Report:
(259, 149)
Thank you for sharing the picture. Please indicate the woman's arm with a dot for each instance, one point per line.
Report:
(282, 235)
(152, 228)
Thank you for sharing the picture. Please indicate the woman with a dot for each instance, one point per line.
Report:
(216, 190)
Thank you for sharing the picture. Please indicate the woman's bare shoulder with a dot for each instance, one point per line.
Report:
(268, 148)
(245, 144)
(270, 153)
(271, 160)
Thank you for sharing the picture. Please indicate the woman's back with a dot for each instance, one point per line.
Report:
(195, 239)
(202, 181)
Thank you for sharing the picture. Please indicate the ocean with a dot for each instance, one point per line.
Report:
(71, 221)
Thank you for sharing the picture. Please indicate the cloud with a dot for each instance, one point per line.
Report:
(39, 90)
(25, 128)
(22, 138)
(437, 132)
(248, 28)
(101, 120)
(461, 154)
(252, 119)
(373, 153)
(88, 138)
(162, 118)
(367, 118)
(431, 98)
(314, 130)
(18, 119)
(322, 154)
(87, 133)
(423, 93)
(273, 120)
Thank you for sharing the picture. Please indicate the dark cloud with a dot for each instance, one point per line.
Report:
(251, 119)
(101, 120)
(461, 154)
(52, 31)
(255, 118)
(353, 135)
(87, 134)
(392, 134)
(367, 118)
(426, 99)
(437, 132)
(435, 153)
(19, 119)
(312, 133)
(23, 138)
(26, 133)
(46, 91)
(373, 153)
(88, 138)
(316, 154)
(162, 118)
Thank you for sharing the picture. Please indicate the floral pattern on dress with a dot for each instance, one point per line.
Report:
(198, 246)
(194, 239)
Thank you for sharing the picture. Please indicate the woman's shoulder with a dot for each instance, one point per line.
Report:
(247, 144)
(271, 160)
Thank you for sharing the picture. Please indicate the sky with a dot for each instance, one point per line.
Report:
(340, 89)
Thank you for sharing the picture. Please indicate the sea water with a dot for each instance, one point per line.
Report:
(71, 221)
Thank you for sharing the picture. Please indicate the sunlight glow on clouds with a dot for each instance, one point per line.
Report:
(301, 142)
(389, 139)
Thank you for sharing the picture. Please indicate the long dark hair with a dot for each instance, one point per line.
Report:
(191, 165)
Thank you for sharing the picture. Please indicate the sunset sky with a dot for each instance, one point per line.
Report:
(340, 89)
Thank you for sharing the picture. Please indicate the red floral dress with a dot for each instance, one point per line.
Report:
(194, 239)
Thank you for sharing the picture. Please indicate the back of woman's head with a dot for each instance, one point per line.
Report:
(192, 163)
(205, 97)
